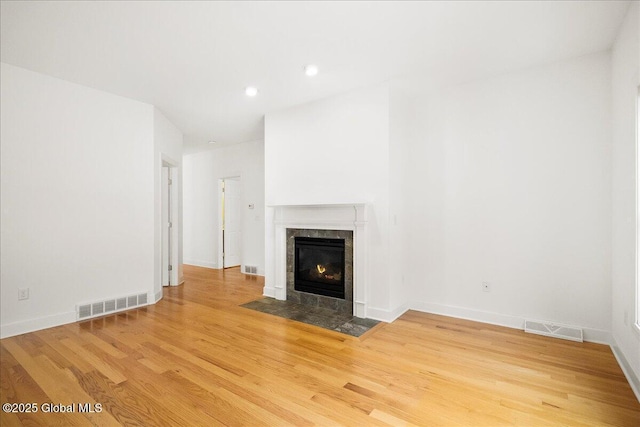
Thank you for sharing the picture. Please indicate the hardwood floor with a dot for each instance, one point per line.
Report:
(197, 358)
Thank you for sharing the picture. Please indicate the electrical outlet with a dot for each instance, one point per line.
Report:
(486, 287)
(23, 293)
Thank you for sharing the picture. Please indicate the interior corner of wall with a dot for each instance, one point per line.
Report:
(627, 369)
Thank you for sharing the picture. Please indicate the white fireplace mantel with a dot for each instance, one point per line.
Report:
(323, 217)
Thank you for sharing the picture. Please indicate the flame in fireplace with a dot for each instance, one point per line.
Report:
(321, 268)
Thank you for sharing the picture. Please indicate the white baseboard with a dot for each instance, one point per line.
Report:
(257, 273)
(386, 315)
(597, 336)
(469, 314)
(589, 334)
(197, 263)
(632, 378)
(31, 325)
(39, 323)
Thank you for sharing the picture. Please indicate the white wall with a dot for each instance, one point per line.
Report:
(201, 172)
(77, 198)
(401, 127)
(335, 151)
(168, 142)
(626, 79)
(510, 183)
(330, 151)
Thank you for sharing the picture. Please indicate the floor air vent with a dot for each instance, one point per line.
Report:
(94, 309)
(553, 330)
(250, 269)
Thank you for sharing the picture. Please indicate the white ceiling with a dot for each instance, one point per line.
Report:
(194, 59)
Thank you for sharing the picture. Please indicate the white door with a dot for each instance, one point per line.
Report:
(166, 226)
(232, 226)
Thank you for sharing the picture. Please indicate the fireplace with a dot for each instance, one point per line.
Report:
(320, 266)
(343, 221)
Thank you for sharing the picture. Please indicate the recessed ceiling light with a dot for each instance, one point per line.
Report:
(311, 70)
(212, 142)
(251, 91)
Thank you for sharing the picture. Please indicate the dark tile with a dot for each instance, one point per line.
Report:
(309, 299)
(351, 329)
(317, 316)
(368, 323)
(330, 303)
(344, 307)
(294, 297)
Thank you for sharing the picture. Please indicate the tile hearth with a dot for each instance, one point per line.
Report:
(317, 316)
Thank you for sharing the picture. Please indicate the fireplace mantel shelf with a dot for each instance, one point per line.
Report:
(320, 205)
(354, 205)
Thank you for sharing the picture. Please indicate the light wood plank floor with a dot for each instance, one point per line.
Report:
(197, 358)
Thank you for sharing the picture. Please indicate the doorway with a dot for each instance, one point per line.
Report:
(169, 219)
(230, 222)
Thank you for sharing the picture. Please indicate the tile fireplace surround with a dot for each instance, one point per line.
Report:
(343, 306)
(327, 221)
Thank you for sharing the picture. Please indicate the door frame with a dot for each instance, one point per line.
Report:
(220, 227)
(174, 279)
